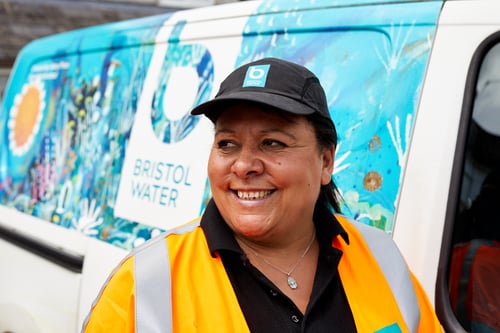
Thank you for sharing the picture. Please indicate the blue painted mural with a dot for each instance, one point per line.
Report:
(372, 65)
(66, 118)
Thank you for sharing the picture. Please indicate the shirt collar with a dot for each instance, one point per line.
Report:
(220, 237)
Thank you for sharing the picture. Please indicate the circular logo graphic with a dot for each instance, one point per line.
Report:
(171, 119)
(26, 116)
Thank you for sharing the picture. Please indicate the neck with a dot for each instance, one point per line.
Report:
(290, 269)
(289, 250)
(293, 273)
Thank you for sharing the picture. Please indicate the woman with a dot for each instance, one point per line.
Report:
(268, 254)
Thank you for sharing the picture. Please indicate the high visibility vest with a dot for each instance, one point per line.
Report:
(382, 293)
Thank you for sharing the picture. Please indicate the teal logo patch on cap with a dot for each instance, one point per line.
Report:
(256, 76)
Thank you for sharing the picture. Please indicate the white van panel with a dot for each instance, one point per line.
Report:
(56, 286)
(95, 272)
(464, 13)
(421, 211)
(59, 297)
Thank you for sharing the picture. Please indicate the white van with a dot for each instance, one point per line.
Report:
(98, 151)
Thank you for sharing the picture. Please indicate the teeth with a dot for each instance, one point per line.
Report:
(253, 195)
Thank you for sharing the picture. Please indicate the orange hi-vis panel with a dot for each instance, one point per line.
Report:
(173, 284)
(203, 299)
(378, 284)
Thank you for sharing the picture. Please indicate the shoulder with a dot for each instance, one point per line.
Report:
(160, 240)
(379, 243)
(368, 233)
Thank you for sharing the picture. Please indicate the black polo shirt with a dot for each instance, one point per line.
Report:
(264, 306)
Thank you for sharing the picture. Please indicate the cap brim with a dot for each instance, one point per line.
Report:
(284, 103)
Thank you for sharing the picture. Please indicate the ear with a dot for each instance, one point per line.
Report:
(328, 156)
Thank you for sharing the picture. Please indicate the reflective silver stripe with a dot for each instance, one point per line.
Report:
(153, 293)
(153, 306)
(395, 271)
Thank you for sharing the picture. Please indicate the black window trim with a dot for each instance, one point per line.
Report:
(59, 256)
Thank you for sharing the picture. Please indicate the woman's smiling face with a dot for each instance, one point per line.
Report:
(265, 171)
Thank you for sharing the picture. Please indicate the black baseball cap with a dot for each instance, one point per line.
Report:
(273, 82)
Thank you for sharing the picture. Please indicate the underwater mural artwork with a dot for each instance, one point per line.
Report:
(74, 130)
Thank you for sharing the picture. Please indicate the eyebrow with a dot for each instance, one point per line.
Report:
(264, 131)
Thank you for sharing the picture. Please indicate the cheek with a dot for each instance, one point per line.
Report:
(299, 174)
(309, 173)
(216, 168)
(211, 169)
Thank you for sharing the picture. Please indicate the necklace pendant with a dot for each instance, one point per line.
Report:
(292, 282)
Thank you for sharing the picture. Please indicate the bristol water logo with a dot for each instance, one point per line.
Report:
(186, 80)
(256, 76)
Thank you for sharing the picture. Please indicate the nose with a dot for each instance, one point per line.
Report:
(247, 163)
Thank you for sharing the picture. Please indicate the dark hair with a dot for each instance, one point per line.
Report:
(326, 135)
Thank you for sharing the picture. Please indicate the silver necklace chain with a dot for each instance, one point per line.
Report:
(292, 283)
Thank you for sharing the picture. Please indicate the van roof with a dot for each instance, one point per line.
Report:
(104, 32)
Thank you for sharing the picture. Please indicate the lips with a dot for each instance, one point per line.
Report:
(253, 195)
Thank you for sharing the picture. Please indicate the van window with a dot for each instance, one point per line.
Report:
(474, 268)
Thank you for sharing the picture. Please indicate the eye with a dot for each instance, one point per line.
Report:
(271, 143)
(225, 145)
